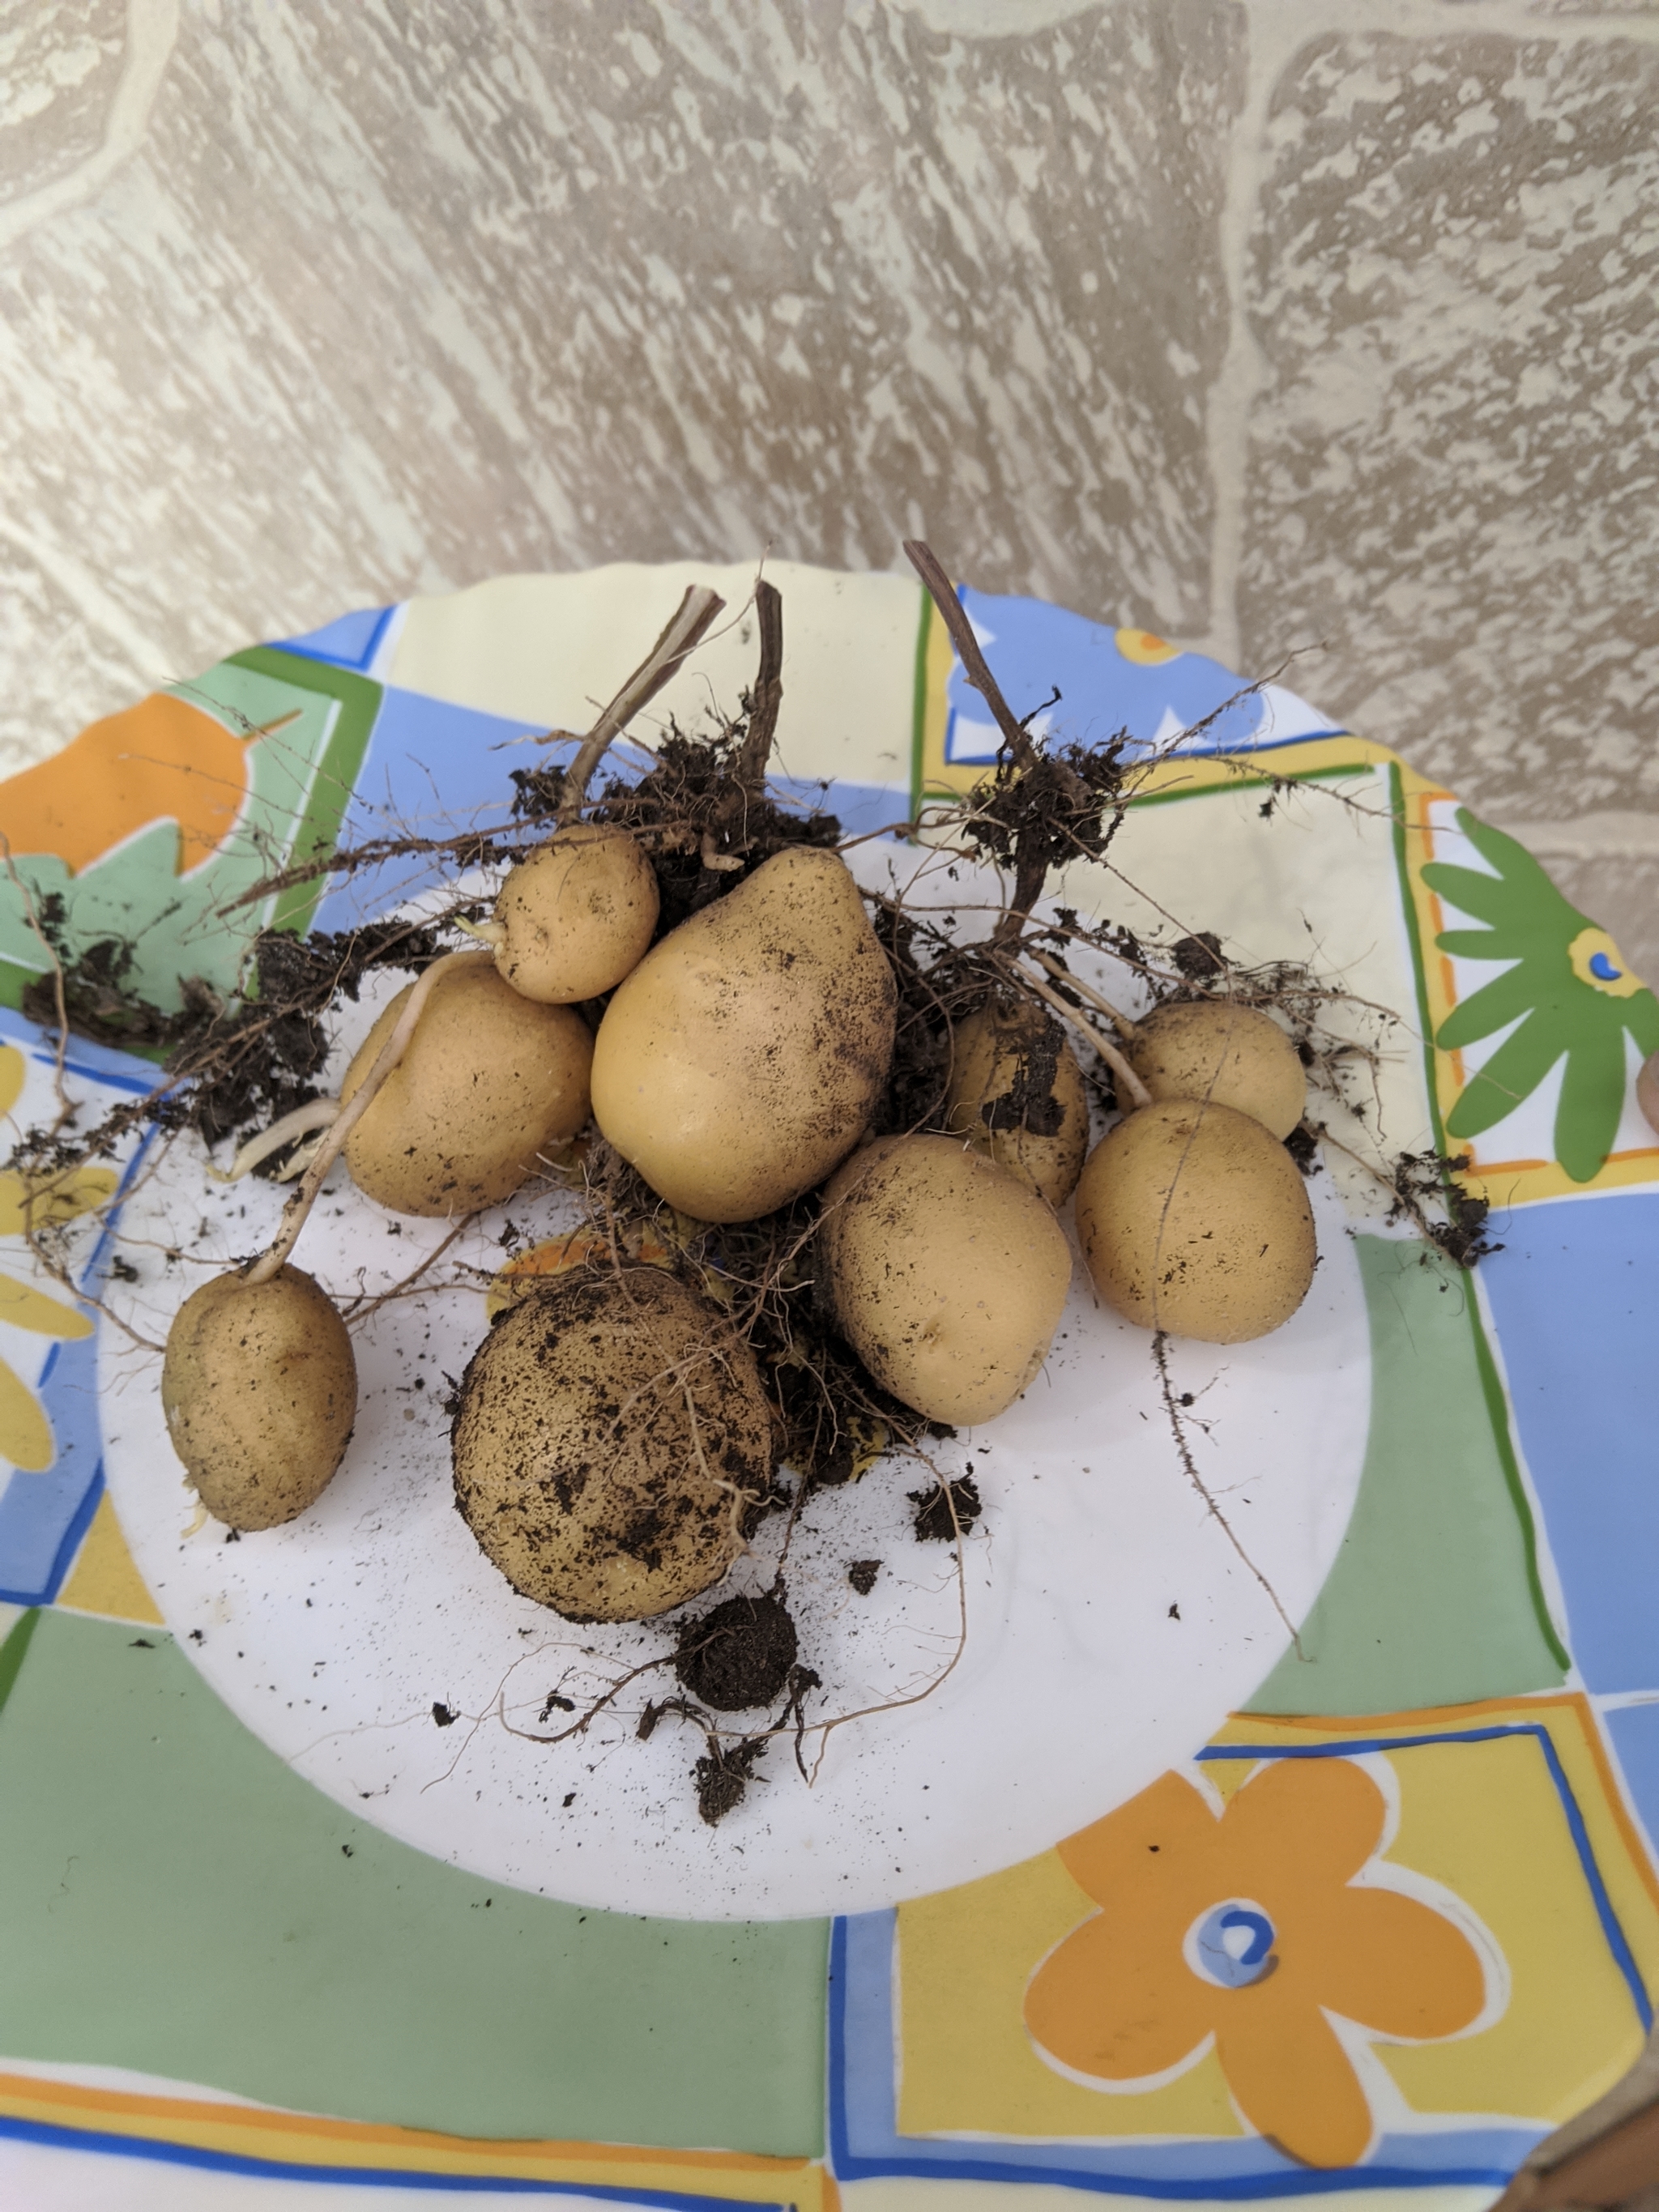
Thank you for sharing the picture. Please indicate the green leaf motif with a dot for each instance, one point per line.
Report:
(1567, 988)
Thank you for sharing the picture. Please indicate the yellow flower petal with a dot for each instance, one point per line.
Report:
(13, 1068)
(48, 1201)
(25, 1432)
(25, 1307)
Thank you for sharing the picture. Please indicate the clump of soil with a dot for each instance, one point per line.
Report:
(722, 1774)
(739, 1654)
(862, 1575)
(947, 1510)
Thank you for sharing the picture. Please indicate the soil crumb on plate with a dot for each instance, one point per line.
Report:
(948, 1509)
(862, 1575)
(738, 1656)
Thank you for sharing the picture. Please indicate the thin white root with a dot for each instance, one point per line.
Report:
(317, 1115)
(487, 932)
(300, 1206)
(1125, 1026)
(1128, 1081)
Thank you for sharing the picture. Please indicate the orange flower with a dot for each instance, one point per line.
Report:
(1250, 1930)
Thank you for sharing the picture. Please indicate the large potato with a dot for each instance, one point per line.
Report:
(259, 1390)
(1195, 1220)
(743, 1057)
(1230, 1055)
(946, 1274)
(488, 1083)
(578, 914)
(1017, 1094)
(613, 1434)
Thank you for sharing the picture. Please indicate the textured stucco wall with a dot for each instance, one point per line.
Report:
(1267, 323)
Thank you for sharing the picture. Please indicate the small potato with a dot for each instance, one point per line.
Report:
(579, 913)
(1195, 1220)
(259, 1390)
(1230, 1055)
(1017, 1094)
(743, 1058)
(612, 1433)
(946, 1274)
(488, 1083)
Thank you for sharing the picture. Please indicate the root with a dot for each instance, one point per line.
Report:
(1172, 1407)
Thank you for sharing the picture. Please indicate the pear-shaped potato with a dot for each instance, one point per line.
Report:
(1232, 1055)
(613, 1435)
(1017, 1094)
(488, 1083)
(946, 1274)
(259, 1390)
(743, 1057)
(577, 913)
(1195, 1220)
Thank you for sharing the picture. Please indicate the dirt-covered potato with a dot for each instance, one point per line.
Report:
(1231, 1055)
(743, 1057)
(1017, 1094)
(578, 914)
(489, 1082)
(613, 1434)
(1195, 1220)
(946, 1274)
(259, 1390)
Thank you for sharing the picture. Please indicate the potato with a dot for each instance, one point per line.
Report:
(488, 1083)
(578, 914)
(1231, 1055)
(743, 1057)
(1018, 1095)
(259, 1390)
(1195, 1220)
(612, 1433)
(945, 1274)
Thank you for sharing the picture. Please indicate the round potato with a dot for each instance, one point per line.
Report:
(1017, 1094)
(946, 1274)
(578, 914)
(744, 1056)
(259, 1390)
(1231, 1055)
(613, 1435)
(489, 1082)
(1195, 1220)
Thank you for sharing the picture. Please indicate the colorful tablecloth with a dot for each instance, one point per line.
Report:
(1397, 1918)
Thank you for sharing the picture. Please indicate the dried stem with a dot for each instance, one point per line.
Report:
(300, 1206)
(756, 747)
(690, 619)
(954, 616)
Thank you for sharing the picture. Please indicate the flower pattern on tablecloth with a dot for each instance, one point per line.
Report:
(25, 1437)
(1568, 990)
(1246, 1931)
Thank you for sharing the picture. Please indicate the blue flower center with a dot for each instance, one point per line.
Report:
(1232, 1945)
(1602, 968)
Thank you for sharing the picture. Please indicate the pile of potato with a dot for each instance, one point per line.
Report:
(614, 1436)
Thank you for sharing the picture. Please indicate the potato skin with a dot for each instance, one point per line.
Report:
(743, 1057)
(1230, 1055)
(576, 1462)
(579, 913)
(1193, 1219)
(1017, 1094)
(259, 1389)
(490, 1081)
(946, 1274)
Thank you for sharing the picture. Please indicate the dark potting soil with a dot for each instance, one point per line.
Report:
(738, 1656)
